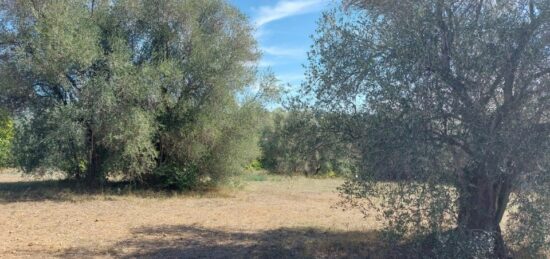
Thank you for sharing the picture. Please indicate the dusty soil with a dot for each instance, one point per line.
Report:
(274, 218)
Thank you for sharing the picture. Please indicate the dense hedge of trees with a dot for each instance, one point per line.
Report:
(143, 89)
(297, 141)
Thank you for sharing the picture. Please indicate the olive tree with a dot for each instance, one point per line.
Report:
(451, 99)
(143, 89)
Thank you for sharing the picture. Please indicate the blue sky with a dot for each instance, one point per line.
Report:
(283, 30)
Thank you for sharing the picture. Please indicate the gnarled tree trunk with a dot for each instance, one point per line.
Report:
(95, 176)
(483, 200)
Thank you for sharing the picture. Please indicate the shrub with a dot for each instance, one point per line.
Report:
(174, 177)
(6, 138)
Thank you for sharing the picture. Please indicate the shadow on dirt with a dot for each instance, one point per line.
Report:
(39, 190)
(197, 242)
(72, 190)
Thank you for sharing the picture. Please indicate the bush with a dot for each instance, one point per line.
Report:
(6, 139)
(174, 177)
(255, 165)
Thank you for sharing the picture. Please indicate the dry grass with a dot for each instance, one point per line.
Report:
(281, 217)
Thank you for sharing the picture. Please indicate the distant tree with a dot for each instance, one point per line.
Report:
(145, 89)
(297, 142)
(452, 96)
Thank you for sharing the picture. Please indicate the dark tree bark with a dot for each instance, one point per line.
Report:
(94, 173)
(483, 201)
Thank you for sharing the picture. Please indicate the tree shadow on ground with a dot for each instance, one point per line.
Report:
(185, 241)
(39, 190)
(72, 190)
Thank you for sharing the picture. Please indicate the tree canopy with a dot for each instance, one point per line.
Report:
(143, 89)
(451, 98)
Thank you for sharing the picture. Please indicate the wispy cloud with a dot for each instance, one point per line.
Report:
(295, 53)
(266, 63)
(286, 8)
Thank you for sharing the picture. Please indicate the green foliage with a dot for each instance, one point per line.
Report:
(530, 222)
(174, 177)
(256, 165)
(297, 142)
(449, 99)
(6, 139)
(142, 89)
(52, 141)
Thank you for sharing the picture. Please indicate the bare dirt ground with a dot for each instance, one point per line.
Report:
(273, 218)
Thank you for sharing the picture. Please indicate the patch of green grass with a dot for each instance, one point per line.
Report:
(254, 176)
(251, 175)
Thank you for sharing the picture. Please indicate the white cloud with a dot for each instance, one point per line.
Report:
(266, 63)
(297, 53)
(286, 8)
(279, 55)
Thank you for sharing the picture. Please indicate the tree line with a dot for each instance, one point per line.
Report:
(140, 89)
